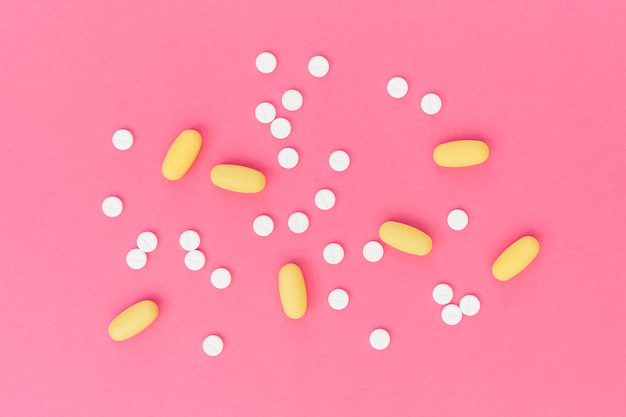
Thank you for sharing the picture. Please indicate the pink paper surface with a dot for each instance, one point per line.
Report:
(542, 82)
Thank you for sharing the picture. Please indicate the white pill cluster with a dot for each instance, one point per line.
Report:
(146, 242)
(190, 241)
(398, 87)
(451, 314)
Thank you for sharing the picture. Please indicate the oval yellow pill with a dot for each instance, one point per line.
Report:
(461, 153)
(133, 320)
(515, 258)
(181, 155)
(292, 291)
(405, 238)
(238, 178)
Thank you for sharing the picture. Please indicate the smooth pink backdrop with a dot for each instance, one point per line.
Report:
(542, 82)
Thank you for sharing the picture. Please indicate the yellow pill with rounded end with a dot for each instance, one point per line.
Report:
(515, 258)
(238, 178)
(405, 238)
(292, 291)
(461, 153)
(181, 155)
(133, 320)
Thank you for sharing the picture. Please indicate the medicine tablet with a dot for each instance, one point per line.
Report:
(147, 242)
(265, 112)
(136, 259)
(318, 66)
(213, 345)
(133, 320)
(238, 178)
(379, 339)
(280, 128)
(122, 139)
(431, 103)
(442, 294)
(266, 62)
(194, 260)
(221, 278)
(515, 258)
(325, 199)
(292, 291)
(181, 154)
(112, 206)
(405, 238)
(333, 253)
(451, 314)
(397, 87)
(373, 251)
(292, 100)
(288, 158)
(461, 153)
(469, 305)
(338, 299)
(457, 219)
(263, 225)
(339, 160)
(298, 222)
(189, 240)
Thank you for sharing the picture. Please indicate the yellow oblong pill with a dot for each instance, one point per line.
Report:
(461, 153)
(292, 290)
(515, 258)
(133, 320)
(181, 155)
(238, 178)
(405, 238)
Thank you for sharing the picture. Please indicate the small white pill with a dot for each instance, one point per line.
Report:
(112, 206)
(333, 253)
(213, 345)
(221, 278)
(122, 139)
(265, 112)
(325, 199)
(339, 161)
(397, 87)
(292, 100)
(431, 103)
(318, 66)
(263, 225)
(442, 294)
(136, 259)
(147, 242)
(288, 158)
(379, 339)
(451, 314)
(470, 305)
(280, 128)
(194, 260)
(338, 299)
(298, 222)
(457, 219)
(373, 251)
(189, 240)
(266, 62)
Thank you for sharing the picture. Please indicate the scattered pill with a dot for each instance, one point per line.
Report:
(147, 242)
(265, 112)
(457, 219)
(112, 206)
(451, 314)
(379, 339)
(298, 222)
(461, 153)
(325, 199)
(405, 238)
(238, 178)
(189, 240)
(292, 291)
(181, 154)
(280, 128)
(339, 160)
(333, 253)
(338, 299)
(397, 87)
(431, 103)
(263, 225)
(194, 260)
(318, 66)
(213, 345)
(515, 258)
(136, 259)
(221, 278)
(133, 320)
(288, 158)
(266, 62)
(442, 294)
(292, 100)
(373, 251)
(122, 139)
(469, 305)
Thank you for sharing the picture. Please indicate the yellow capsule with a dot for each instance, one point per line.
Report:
(461, 153)
(515, 258)
(405, 238)
(292, 291)
(133, 320)
(181, 155)
(238, 178)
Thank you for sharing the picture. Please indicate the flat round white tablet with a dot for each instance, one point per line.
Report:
(213, 345)
(112, 206)
(263, 225)
(373, 251)
(136, 259)
(147, 242)
(397, 87)
(333, 253)
(298, 222)
(379, 339)
(292, 100)
(457, 219)
(288, 158)
(280, 128)
(339, 161)
(194, 260)
(221, 278)
(451, 314)
(122, 139)
(318, 66)
(470, 305)
(266, 62)
(325, 199)
(338, 299)
(431, 103)
(265, 112)
(189, 240)
(442, 294)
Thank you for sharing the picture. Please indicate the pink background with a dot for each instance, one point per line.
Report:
(543, 82)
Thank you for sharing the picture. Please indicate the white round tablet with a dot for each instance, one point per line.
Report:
(136, 259)
(147, 241)
(325, 199)
(265, 112)
(221, 278)
(379, 339)
(431, 103)
(292, 100)
(298, 222)
(451, 314)
(194, 260)
(457, 219)
(442, 294)
(373, 251)
(318, 66)
(266, 62)
(333, 253)
(339, 161)
(122, 139)
(112, 206)
(470, 305)
(338, 299)
(189, 240)
(288, 158)
(397, 87)
(263, 225)
(213, 345)
(280, 128)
